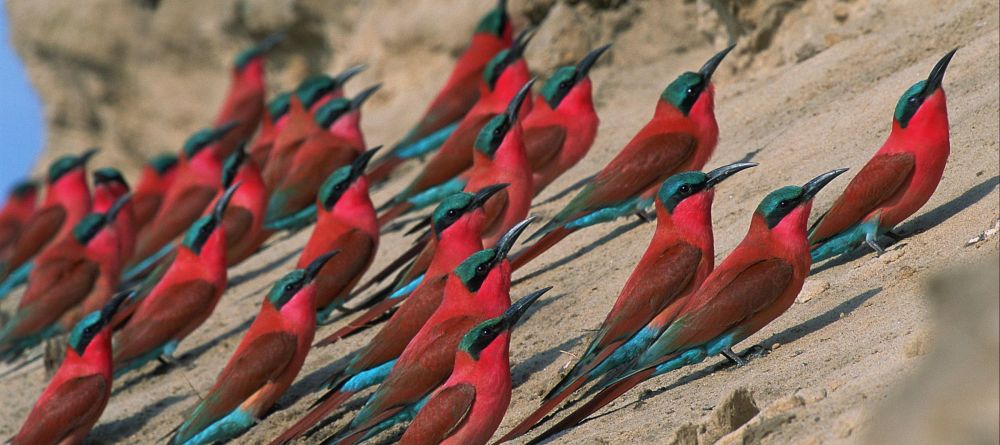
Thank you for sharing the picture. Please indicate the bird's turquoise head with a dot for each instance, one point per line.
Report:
(914, 97)
(684, 91)
(457, 205)
(331, 111)
(314, 87)
(164, 162)
(496, 21)
(495, 131)
(205, 137)
(482, 335)
(783, 201)
(88, 227)
(93, 323)
(65, 164)
(342, 178)
(474, 269)
(278, 106)
(24, 189)
(565, 78)
(293, 282)
(202, 229)
(682, 186)
(248, 55)
(504, 59)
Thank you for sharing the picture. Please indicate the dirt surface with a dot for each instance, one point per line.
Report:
(817, 94)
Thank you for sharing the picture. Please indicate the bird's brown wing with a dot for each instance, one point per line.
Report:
(38, 231)
(543, 144)
(166, 317)
(441, 416)
(73, 404)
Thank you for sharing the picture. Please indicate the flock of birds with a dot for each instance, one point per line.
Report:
(440, 362)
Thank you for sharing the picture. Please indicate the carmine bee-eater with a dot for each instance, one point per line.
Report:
(503, 77)
(83, 266)
(346, 222)
(756, 283)
(468, 408)
(244, 101)
(476, 290)
(198, 177)
(21, 203)
(680, 256)
(899, 180)
(335, 142)
(264, 365)
(264, 142)
(681, 136)
(243, 221)
(460, 92)
(109, 187)
(563, 123)
(78, 392)
(67, 201)
(156, 178)
(456, 233)
(181, 300)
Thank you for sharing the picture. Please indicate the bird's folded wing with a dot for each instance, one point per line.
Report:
(441, 416)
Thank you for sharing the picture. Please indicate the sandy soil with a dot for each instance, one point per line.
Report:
(865, 326)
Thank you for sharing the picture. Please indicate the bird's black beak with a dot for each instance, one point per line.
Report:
(811, 188)
(521, 43)
(720, 174)
(937, 75)
(233, 164)
(506, 242)
(709, 67)
(117, 207)
(347, 74)
(312, 270)
(516, 310)
(589, 60)
(111, 307)
(361, 163)
(220, 207)
(515, 104)
(85, 156)
(270, 42)
(484, 194)
(363, 96)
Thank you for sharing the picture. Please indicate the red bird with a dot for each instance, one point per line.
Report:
(563, 123)
(264, 365)
(754, 285)
(154, 181)
(78, 392)
(504, 76)
(20, 205)
(681, 136)
(899, 180)
(262, 145)
(244, 101)
(456, 98)
(468, 408)
(109, 188)
(199, 174)
(478, 290)
(67, 201)
(345, 222)
(84, 266)
(679, 258)
(244, 218)
(335, 141)
(181, 300)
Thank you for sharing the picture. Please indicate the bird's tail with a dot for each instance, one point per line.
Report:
(359, 323)
(319, 411)
(547, 241)
(538, 417)
(15, 279)
(397, 210)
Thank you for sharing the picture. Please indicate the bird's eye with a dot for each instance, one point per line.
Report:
(496, 131)
(563, 85)
(484, 331)
(289, 287)
(690, 90)
(684, 189)
(783, 204)
(481, 268)
(452, 212)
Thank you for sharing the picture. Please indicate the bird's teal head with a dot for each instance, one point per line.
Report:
(109, 175)
(163, 162)
(88, 227)
(482, 335)
(567, 77)
(504, 59)
(914, 97)
(24, 189)
(333, 110)
(342, 178)
(684, 91)
(474, 269)
(65, 164)
(203, 138)
(783, 201)
(459, 204)
(278, 106)
(289, 285)
(93, 323)
(683, 185)
(246, 56)
(496, 21)
(314, 87)
(231, 167)
(204, 227)
(493, 133)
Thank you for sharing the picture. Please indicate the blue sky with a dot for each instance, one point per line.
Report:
(20, 115)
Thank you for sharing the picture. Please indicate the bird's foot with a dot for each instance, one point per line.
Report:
(645, 217)
(755, 351)
(169, 360)
(874, 245)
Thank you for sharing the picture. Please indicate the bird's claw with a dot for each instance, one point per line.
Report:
(755, 351)
(874, 245)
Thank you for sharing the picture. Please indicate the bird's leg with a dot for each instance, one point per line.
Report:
(874, 245)
(734, 357)
(755, 351)
(644, 216)
(168, 360)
